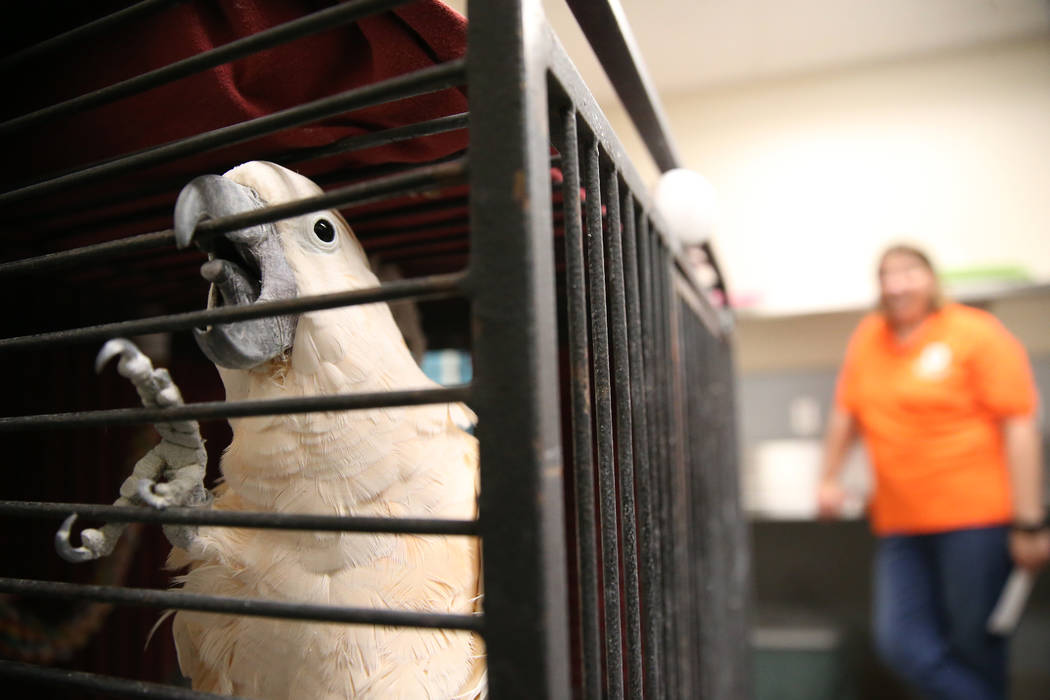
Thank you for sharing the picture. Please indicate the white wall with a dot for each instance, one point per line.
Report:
(816, 174)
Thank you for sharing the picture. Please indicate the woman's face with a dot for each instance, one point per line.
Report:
(907, 288)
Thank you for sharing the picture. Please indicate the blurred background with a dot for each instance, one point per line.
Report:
(829, 129)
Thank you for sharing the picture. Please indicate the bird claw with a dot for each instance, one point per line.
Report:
(171, 474)
(156, 495)
(133, 363)
(93, 547)
(154, 385)
(112, 348)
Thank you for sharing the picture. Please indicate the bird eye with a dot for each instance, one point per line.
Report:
(324, 230)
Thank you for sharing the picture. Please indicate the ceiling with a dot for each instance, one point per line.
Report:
(697, 44)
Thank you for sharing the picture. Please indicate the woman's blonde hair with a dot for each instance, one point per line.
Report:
(938, 300)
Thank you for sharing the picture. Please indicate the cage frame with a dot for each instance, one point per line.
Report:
(633, 306)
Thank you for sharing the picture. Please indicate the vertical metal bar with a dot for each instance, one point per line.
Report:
(680, 490)
(739, 555)
(624, 431)
(685, 493)
(648, 528)
(695, 505)
(722, 532)
(703, 583)
(604, 426)
(717, 476)
(582, 438)
(658, 442)
(656, 318)
(692, 504)
(657, 437)
(521, 516)
(680, 600)
(606, 28)
(693, 533)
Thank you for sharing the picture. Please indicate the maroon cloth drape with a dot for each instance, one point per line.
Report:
(373, 49)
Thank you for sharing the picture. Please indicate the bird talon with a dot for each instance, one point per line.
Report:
(112, 348)
(154, 386)
(133, 364)
(66, 550)
(153, 494)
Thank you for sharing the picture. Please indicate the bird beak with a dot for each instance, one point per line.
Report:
(246, 266)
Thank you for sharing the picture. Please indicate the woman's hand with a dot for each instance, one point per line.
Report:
(1030, 550)
(831, 498)
(842, 431)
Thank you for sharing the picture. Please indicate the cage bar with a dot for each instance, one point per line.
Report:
(223, 518)
(222, 410)
(606, 28)
(570, 87)
(602, 389)
(432, 79)
(429, 287)
(429, 127)
(86, 254)
(255, 607)
(512, 277)
(621, 385)
(699, 575)
(95, 683)
(323, 20)
(648, 534)
(139, 9)
(580, 391)
(675, 600)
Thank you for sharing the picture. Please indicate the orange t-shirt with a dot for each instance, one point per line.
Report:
(930, 413)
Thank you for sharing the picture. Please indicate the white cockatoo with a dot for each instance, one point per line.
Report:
(396, 462)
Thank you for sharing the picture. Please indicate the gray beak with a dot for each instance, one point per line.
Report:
(244, 267)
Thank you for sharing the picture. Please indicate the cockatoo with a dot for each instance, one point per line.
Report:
(398, 462)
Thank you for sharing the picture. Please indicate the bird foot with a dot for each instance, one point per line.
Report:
(169, 475)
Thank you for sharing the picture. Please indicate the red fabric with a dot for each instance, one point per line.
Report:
(373, 49)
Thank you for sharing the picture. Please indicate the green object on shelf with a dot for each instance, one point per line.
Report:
(985, 273)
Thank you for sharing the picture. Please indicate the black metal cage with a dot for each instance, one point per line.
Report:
(615, 548)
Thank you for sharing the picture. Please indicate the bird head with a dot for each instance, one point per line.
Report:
(310, 254)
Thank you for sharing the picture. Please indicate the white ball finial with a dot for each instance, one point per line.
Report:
(686, 201)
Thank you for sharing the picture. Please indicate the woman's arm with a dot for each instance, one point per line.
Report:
(842, 432)
(1030, 550)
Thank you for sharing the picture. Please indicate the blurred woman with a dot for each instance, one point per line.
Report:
(944, 398)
